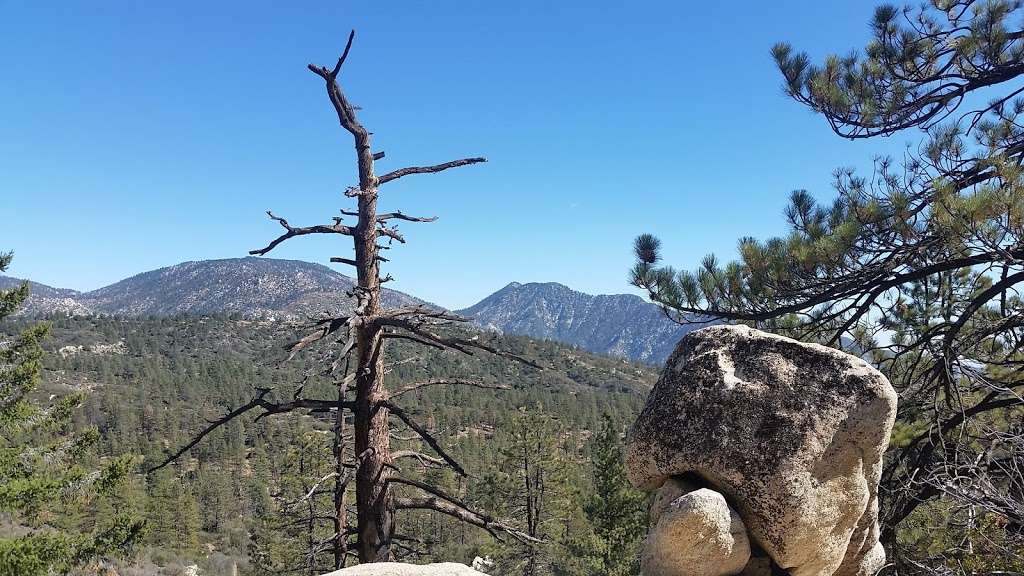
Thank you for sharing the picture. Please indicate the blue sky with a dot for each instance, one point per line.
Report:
(141, 134)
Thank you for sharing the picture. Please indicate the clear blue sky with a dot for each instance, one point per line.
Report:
(135, 135)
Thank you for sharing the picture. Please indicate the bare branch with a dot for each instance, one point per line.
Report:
(399, 216)
(313, 404)
(350, 262)
(291, 232)
(342, 107)
(428, 169)
(344, 54)
(464, 345)
(258, 401)
(343, 482)
(425, 435)
(231, 415)
(456, 509)
(311, 491)
(327, 327)
(424, 459)
(391, 233)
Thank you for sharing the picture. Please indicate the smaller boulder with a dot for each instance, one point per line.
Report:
(696, 534)
(672, 489)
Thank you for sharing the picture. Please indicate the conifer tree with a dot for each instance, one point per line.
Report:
(916, 267)
(42, 480)
(290, 538)
(535, 490)
(617, 513)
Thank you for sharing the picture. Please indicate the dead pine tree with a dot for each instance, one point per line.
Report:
(357, 342)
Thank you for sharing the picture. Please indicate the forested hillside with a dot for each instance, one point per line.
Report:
(237, 498)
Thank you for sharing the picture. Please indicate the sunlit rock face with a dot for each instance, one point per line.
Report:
(790, 434)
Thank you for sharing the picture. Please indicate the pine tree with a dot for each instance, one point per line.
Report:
(916, 267)
(615, 510)
(535, 490)
(43, 485)
(607, 542)
(295, 536)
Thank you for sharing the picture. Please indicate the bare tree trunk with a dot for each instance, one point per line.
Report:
(374, 503)
(368, 326)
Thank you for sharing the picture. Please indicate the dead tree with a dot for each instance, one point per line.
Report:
(357, 341)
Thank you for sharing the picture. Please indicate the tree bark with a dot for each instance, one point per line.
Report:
(375, 506)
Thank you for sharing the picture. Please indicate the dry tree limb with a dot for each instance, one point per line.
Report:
(427, 169)
(327, 327)
(399, 216)
(425, 460)
(439, 501)
(464, 345)
(344, 480)
(258, 401)
(291, 232)
(425, 435)
(311, 492)
(341, 61)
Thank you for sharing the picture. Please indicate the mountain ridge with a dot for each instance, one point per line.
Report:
(265, 287)
(615, 324)
(622, 325)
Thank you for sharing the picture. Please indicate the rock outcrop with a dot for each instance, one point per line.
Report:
(790, 434)
(398, 569)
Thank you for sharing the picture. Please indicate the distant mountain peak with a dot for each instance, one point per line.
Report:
(618, 324)
(249, 286)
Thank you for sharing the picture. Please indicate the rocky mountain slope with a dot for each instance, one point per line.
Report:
(248, 286)
(45, 299)
(618, 324)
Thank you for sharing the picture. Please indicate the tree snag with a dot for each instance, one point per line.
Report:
(361, 347)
